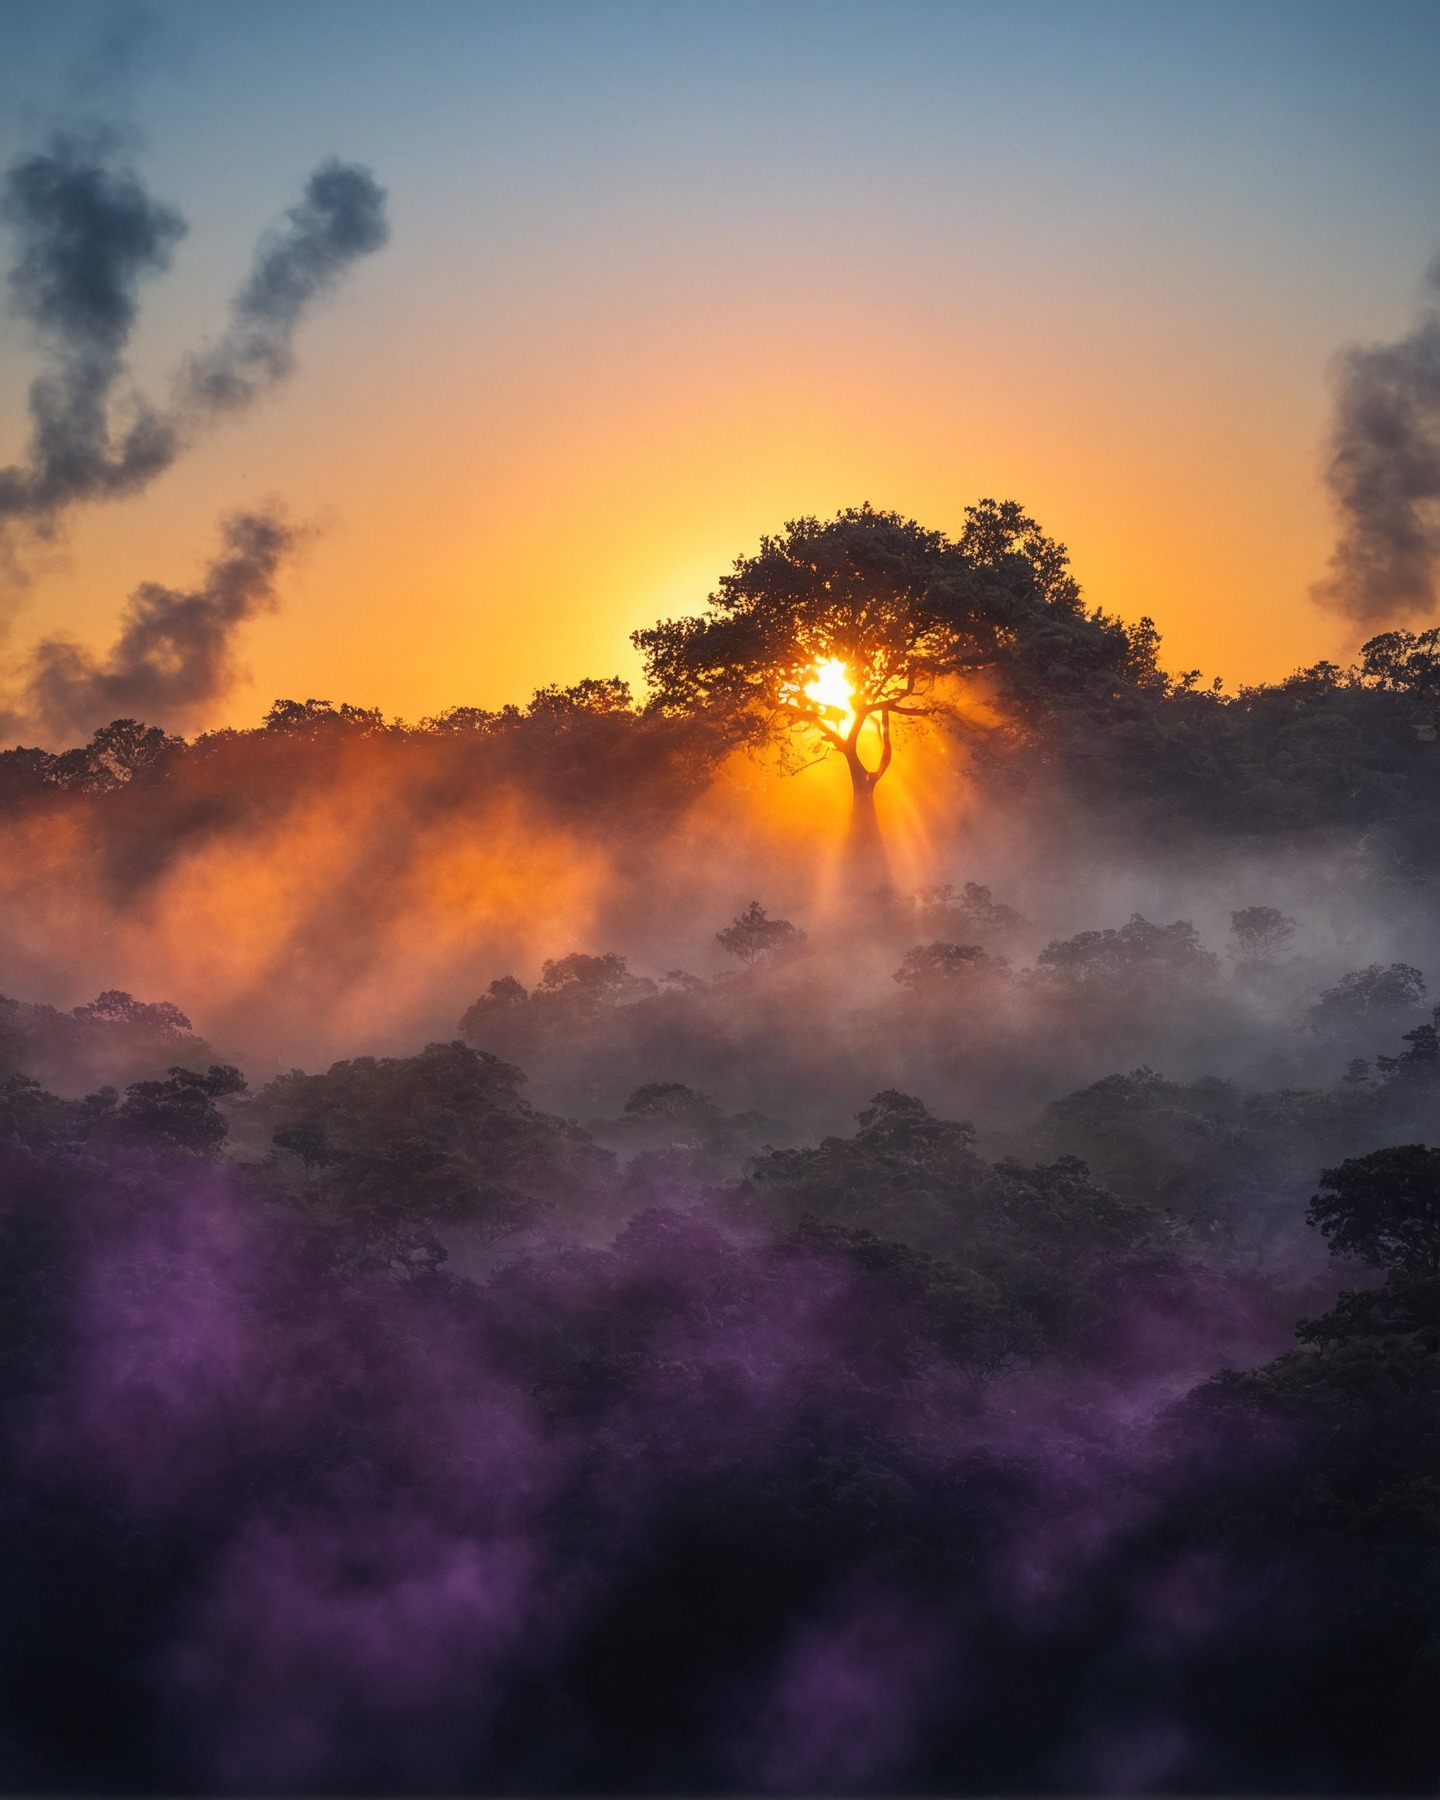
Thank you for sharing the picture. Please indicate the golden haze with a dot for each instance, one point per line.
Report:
(490, 522)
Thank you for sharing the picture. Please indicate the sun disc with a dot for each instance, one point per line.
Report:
(831, 688)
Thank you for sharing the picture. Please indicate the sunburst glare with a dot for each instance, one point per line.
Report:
(833, 694)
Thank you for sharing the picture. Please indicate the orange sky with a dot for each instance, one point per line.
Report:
(483, 532)
(592, 368)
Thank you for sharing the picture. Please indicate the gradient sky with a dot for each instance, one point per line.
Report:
(663, 276)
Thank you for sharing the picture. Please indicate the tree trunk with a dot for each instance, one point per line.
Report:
(869, 868)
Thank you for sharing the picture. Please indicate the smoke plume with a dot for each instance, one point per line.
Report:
(1384, 475)
(174, 652)
(341, 218)
(88, 233)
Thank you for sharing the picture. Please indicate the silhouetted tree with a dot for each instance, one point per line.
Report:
(309, 718)
(597, 697)
(904, 611)
(1407, 664)
(116, 1007)
(927, 964)
(1420, 1064)
(973, 912)
(1384, 1208)
(1137, 951)
(1378, 988)
(181, 1110)
(395, 1147)
(754, 934)
(1261, 933)
(572, 991)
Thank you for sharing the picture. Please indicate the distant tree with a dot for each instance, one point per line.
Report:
(1407, 663)
(1206, 1149)
(501, 1014)
(678, 1143)
(394, 1148)
(663, 1114)
(116, 1007)
(673, 1103)
(1261, 933)
(126, 748)
(600, 697)
(115, 755)
(973, 910)
(945, 1306)
(461, 718)
(590, 983)
(310, 718)
(1384, 1208)
(1421, 1062)
(835, 630)
(181, 1110)
(754, 935)
(1137, 951)
(1377, 988)
(25, 774)
(572, 990)
(903, 1164)
(928, 964)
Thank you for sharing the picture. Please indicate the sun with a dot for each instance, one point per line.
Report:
(832, 693)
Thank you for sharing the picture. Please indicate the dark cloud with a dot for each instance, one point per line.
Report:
(341, 218)
(88, 234)
(1384, 475)
(174, 654)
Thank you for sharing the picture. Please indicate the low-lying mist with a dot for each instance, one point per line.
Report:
(532, 1266)
(307, 897)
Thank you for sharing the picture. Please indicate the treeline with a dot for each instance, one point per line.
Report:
(1327, 748)
(797, 1019)
(112, 1038)
(576, 752)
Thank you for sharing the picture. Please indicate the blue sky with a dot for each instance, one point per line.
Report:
(663, 275)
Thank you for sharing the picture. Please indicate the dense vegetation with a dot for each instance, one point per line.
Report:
(406, 1427)
(859, 1463)
(1087, 712)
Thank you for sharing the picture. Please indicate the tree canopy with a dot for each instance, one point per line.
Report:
(836, 629)
(1384, 1208)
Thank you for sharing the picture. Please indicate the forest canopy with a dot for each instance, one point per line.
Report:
(1068, 701)
(971, 1336)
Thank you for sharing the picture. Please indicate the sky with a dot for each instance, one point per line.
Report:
(663, 276)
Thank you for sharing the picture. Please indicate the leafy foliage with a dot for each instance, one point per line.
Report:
(973, 911)
(112, 1039)
(443, 1420)
(1261, 933)
(903, 609)
(256, 1378)
(1044, 1241)
(181, 1109)
(1138, 951)
(1384, 1208)
(392, 1149)
(678, 1143)
(572, 994)
(930, 964)
(1378, 988)
(754, 934)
